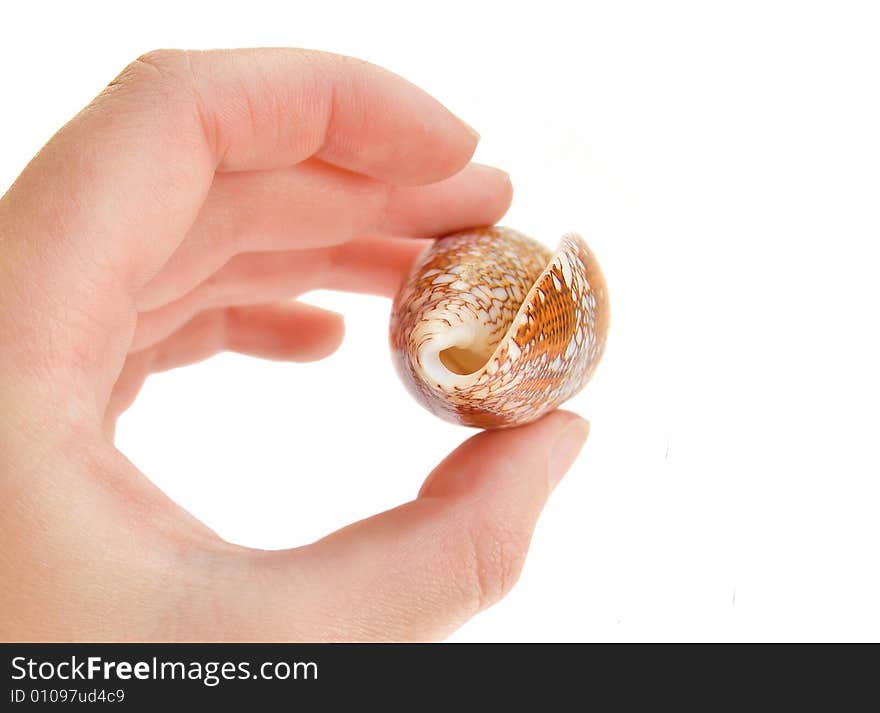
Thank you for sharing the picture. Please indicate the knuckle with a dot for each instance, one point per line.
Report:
(161, 68)
(161, 58)
(496, 557)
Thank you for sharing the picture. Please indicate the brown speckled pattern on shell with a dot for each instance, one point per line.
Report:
(540, 318)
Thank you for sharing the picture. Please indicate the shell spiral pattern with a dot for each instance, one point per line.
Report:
(493, 330)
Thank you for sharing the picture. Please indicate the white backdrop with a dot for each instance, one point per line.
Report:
(723, 161)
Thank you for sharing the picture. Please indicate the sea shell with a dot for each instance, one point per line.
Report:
(493, 330)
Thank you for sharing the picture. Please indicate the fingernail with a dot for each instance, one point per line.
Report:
(490, 171)
(471, 130)
(566, 448)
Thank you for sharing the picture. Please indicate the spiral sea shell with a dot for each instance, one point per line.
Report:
(492, 330)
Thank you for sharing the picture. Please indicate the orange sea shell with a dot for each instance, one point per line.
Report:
(492, 330)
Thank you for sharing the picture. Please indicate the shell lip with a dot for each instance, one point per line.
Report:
(429, 356)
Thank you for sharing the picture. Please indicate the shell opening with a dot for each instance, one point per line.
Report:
(463, 361)
(450, 357)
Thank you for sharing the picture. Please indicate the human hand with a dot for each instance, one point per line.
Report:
(170, 220)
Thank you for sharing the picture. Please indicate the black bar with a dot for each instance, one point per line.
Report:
(329, 676)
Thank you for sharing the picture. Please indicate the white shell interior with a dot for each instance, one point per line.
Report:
(451, 357)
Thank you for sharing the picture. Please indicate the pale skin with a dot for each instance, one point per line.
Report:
(181, 214)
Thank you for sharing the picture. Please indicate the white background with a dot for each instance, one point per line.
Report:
(722, 159)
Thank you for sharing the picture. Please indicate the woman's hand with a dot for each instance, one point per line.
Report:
(173, 218)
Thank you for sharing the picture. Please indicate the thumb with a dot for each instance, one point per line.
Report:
(421, 570)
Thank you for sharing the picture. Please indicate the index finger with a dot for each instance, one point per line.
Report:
(268, 108)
